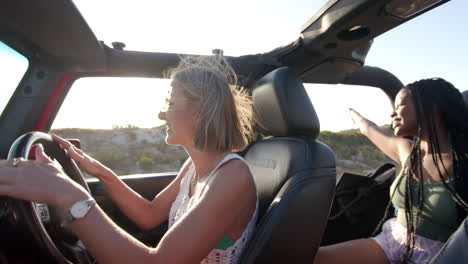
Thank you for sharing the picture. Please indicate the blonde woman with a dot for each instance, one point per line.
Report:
(211, 205)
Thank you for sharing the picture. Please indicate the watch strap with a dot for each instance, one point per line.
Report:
(69, 216)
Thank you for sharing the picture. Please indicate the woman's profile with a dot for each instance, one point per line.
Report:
(211, 205)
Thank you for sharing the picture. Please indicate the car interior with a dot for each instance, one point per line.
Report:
(294, 172)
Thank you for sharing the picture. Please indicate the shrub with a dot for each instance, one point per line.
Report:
(146, 163)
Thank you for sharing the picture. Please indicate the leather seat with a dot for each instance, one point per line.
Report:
(465, 96)
(295, 174)
(455, 249)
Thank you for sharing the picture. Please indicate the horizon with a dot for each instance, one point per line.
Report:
(130, 126)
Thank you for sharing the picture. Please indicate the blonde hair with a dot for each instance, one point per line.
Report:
(226, 115)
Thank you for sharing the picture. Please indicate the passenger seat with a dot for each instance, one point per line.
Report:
(295, 174)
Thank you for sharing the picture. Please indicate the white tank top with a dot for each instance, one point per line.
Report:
(183, 203)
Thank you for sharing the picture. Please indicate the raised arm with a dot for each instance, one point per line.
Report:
(396, 148)
(145, 214)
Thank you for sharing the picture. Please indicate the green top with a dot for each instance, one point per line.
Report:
(439, 215)
(224, 243)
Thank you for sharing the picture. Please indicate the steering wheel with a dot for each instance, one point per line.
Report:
(44, 222)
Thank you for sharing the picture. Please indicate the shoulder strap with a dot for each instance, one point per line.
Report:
(184, 185)
(224, 161)
(228, 157)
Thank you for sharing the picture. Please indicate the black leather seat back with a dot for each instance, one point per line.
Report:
(295, 174)
(455, 249)
(465, 96)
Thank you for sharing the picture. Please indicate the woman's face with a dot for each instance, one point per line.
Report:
(180, 115)
(404, 121)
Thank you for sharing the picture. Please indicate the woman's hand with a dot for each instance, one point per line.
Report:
(357, 118)
(83, 160)
(40, 181)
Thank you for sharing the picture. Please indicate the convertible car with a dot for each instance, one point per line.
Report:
(54, 50)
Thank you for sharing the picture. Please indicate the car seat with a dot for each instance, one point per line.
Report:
(295, 174)
(454, 250)
(465, 96)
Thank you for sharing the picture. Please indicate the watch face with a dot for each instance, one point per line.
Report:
(79, 209)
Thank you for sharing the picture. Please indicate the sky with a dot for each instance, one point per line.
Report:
(433, 44)
(12, 66)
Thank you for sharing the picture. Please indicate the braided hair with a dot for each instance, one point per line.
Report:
(433, 96)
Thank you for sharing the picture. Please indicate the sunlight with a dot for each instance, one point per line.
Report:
(105, 103)
(197, 27)
(331, 103)
(12, 66)
(235, 27)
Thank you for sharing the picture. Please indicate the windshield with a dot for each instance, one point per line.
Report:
(13, 66)
(196, 27)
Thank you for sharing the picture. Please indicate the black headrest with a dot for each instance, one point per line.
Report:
(465, 96)
(283, 106)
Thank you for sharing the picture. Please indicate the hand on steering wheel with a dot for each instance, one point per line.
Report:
(83, 160)
(40, 184)
(37, 180)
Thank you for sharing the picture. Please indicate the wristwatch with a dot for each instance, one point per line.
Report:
(78, 210)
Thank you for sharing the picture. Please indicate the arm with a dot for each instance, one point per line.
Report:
(188, 241)
(396, 148)
(145, 214)
(228, 202)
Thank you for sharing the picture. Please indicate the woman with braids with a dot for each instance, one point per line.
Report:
(430, 193)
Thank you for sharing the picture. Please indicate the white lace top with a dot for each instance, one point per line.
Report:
(183, 203)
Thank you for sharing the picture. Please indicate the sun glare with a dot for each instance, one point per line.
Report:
(331, 103)
(105, 103)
